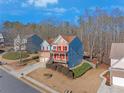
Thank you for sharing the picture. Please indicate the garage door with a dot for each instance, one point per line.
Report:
(118, 81)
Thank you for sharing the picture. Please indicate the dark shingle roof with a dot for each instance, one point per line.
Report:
(68, 38)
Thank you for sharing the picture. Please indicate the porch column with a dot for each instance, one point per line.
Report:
(65, 57)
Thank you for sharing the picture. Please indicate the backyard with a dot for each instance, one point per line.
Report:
(88, 83)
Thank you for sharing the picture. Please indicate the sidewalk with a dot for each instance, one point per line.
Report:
(41, 85)
(25, 71)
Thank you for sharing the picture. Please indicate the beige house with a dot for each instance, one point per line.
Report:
(45, 51)
(117, 64)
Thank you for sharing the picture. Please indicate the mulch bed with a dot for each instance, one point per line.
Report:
(107, 76)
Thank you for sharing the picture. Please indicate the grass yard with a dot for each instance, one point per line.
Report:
(15, 55)
(80, 70)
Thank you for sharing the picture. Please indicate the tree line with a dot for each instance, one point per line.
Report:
(97, 30)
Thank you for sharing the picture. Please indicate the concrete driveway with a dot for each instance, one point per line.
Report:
(9, 84)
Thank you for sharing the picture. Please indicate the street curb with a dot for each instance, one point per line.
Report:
(41, 85)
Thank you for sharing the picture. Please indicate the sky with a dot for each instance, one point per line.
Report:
(35, 11)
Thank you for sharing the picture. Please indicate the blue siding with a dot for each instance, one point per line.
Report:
(75, 54)
(33, 43)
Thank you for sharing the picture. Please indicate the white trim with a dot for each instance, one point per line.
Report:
(58, 38)
(118, 81)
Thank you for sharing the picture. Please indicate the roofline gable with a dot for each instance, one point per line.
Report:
(58, 37)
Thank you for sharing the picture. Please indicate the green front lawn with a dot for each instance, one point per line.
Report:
(15, 55)
(80, 70)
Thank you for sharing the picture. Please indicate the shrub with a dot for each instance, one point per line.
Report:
(48, 65)
(59, 68)
(35, 57)
(65, 70)
(70, 74)
(26, 60)
(53, 67)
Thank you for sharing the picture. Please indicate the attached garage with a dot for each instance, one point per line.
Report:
(117, 73)
(44, 58)
(117, 64)
(118, 81)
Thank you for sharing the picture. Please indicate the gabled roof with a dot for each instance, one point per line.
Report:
(24, 36)
(50, 41)
(119, 64)
(68, 38)
(1, 35)
(117, 51)
(28, 36)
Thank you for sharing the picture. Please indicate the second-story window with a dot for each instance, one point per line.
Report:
(65, 48)
(54, 48)
(59, 48)
(43, 48)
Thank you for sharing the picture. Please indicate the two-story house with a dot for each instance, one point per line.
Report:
(117, 64)
(29, 43)
(67, 50)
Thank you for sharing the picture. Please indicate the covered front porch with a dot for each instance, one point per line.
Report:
(60, 57)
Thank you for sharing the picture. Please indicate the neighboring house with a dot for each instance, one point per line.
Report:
(67, 50)
(45, 51)
(117, 64)
(29, 43)
(19, 43)
(45, 46)
(33, 43)
(1, 40)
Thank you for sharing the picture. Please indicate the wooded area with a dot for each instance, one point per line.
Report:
(97, 30)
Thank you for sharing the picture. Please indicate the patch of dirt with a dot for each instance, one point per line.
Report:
(88, 83)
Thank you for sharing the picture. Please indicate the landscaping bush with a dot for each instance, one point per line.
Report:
(65, 70)
(70, 74)
(48, 75)
(53, 67)
(59, 68)
(26, 60)
(35, 57)
(48, 65)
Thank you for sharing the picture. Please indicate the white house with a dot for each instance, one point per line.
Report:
(117, 64)
(45, 46)
(19, 42)
(1, 39)
(45, 51)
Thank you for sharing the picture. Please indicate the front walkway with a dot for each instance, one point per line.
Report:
(22, 72)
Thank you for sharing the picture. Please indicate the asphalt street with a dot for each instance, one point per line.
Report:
(10, 84)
